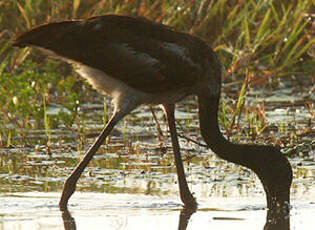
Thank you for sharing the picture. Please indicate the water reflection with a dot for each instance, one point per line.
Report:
(184, 217)
(276, 220)
(68, 221)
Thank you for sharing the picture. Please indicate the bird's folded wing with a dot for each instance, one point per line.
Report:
(144, 55)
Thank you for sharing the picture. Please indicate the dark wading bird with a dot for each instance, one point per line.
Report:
(136, 61)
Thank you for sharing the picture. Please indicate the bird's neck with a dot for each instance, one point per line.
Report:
(210, 131)
(265, 161)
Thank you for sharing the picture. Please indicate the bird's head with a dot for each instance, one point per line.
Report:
(275, 173)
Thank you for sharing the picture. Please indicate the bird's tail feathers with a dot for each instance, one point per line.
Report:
(41, 35)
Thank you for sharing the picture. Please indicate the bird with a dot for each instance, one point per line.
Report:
(136, 61)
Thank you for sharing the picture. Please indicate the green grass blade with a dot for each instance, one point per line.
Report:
(3, 64)
(240, 101)
(296, 30)
(263, 25)
(304, 49)
(46, 121)
(246, 31)
(274, 12)
(223, 109)
(291, 39)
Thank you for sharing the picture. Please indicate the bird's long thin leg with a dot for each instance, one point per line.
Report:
(158, 127)
(70, 183)
(185, 194)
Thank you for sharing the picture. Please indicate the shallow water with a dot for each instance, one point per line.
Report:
(131, 182)
(124, 211)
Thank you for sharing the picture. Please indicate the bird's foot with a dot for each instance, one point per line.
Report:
(68, 189)
(191, 204)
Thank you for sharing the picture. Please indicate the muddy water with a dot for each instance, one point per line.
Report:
(131, 183)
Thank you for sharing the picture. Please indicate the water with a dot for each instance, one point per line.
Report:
(124, 211)
(131, 183)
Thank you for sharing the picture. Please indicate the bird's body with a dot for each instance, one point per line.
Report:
(118, 54)
(136, 61)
